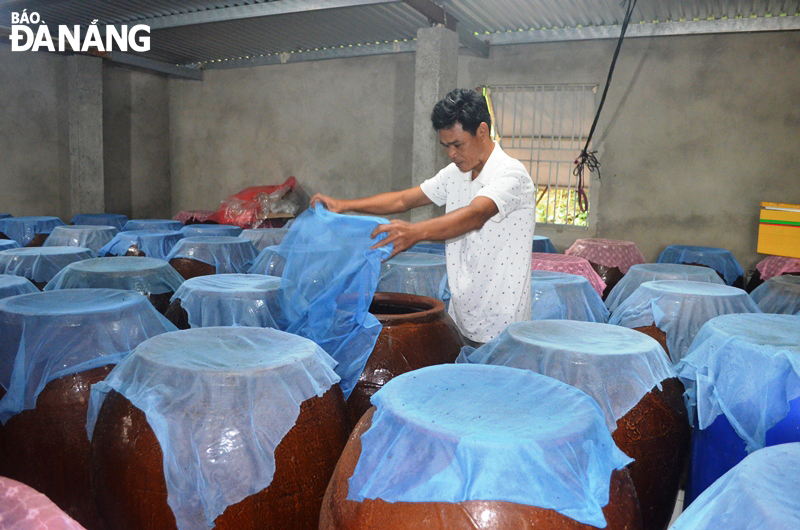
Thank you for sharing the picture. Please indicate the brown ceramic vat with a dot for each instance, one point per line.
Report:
(131, 492)
(621, 513)
(160, 301)
(738, 282)
(610, 275)
(656, 434)
(133, 250)
(191, 268)
(417, 332)
(653, 331)
(38, 240)
(47, 447)
(176, 314)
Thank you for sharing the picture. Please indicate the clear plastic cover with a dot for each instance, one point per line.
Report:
(219, 401)
(41, 264)
(227, 254)
(269, 262)
(152, 224)
(614, 365)
(6, 244)
(211, 230)
(154, 243)
(779, 294)
(607, 252)
(143, 275)
(265, 237)
(543, 244)
(93, 237)
(415, 273)
(679, 309)
(760, 493)
(542, 261)
(453, 433)
(562, 296)
(719, 259)
(23, 229)
(11, 285)
(647, 272)
(50, 335)
(747, 367)
(232, 300)
(117, 220)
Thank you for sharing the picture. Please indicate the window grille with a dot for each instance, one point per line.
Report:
(545, 127)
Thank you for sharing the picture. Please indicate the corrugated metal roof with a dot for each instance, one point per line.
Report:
(209, 33)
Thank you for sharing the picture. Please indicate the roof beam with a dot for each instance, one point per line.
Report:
(130, 59)
(437, 15)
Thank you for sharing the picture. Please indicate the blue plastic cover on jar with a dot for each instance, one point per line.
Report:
(415, 273)
(225, 253)
(152, 224)
(5, 215)
(760, 493)
(562, 296)
(6, 244)
(11, 285)
(154, 243)
(23, 229)
(41, 264)
(268, 262)
(143, 275)
(50, 335)
(679, 309)
(232, 300)
(482, 432)
(543, 244)
(648, 272)
(211, 230)
(93, 237)
(779, 294)
(719, 259)
(265, 237)
(247, 385)
(117, 220)
(428, 248)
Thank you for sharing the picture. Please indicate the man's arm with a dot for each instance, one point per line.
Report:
(404, 234)
(381, 204)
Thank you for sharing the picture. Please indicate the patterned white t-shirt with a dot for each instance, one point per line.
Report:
(489, 270)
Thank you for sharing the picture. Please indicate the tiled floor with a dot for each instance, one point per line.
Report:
(678, 507)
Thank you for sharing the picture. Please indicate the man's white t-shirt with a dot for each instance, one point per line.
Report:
(489, 270)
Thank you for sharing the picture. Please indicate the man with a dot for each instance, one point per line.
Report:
(488, 224)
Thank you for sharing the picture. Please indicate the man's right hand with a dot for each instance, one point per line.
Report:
(331, 204)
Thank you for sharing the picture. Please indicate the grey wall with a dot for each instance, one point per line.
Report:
(343, 127)
(695, 132)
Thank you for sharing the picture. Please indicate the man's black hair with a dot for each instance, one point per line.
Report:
(463, 106)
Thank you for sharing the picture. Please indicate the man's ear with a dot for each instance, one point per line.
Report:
(483, 130)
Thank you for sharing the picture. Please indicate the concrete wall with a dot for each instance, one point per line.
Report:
(343, 127)
(696, 131)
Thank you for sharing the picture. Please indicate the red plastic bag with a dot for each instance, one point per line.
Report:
(249, 207)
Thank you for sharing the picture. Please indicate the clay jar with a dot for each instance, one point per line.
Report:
(47, 447)
(417, 332)
(653, 331)
(610, 275)
(191, 268)
(621, 512)
(176, 314)
(131, 492)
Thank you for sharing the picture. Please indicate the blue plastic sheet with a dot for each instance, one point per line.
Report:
(543, 244)
(144, 275)
(6, 244)
(562, 296)
(152, 224)
(719, 259)
(614, 365)
(11, 285)
(760, 493)
(50, 335)
(219, 401)
(5, 215)
(679, 309)
(428, 248)
(117, 220)
(232, 300)
(330, 278)
(41, 264)
(265, 237)
(779, 294)
(23, 229)
(211, 230)
(647, 272)
(93, 237)
(269, 262)
(415, 273)
(746, 367)
(227, 254)
(453, 433)
(154, 243)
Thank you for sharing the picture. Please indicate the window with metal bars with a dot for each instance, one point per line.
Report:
(545, 127)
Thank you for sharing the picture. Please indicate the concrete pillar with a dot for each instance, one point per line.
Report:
(436, 69)
(85, 87)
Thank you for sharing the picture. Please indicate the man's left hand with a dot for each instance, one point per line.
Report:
(401, 234)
